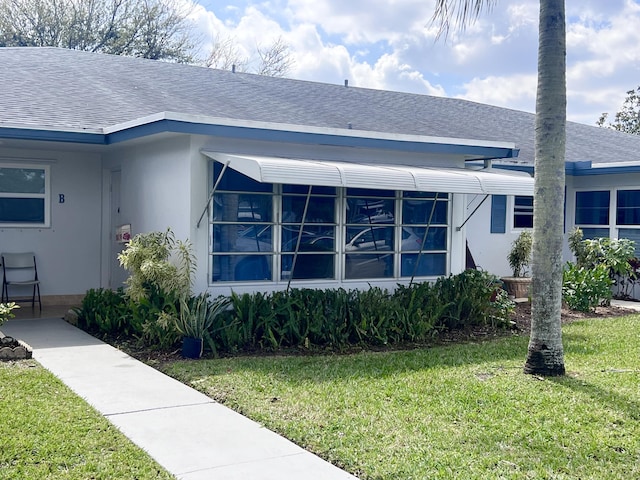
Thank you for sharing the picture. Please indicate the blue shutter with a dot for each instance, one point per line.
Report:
(498, 213)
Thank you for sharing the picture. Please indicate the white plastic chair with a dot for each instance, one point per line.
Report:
(20, 270)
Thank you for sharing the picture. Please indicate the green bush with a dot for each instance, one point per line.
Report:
(583, 289)
(614, 253)
(6, 311)
(337, 318)
(107, 311)
(112, 312)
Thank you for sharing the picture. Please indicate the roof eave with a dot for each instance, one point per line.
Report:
(169, 122)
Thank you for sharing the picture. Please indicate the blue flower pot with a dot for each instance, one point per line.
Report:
(192, 347)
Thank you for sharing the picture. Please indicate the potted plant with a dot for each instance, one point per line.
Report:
(194, 320)
(519, 257)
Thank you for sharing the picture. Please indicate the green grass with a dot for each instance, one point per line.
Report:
(460, 411)
(47, 432)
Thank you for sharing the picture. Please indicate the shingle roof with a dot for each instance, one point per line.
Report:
(54, 88)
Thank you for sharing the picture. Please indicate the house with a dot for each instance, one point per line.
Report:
(275, 182)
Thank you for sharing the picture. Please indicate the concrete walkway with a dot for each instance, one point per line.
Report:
(185, 431)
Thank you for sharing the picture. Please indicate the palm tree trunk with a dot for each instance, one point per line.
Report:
(545, 353)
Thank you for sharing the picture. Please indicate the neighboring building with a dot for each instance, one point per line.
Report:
(355, 187)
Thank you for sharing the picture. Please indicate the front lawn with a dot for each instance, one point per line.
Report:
(47, 432)
(460, 411)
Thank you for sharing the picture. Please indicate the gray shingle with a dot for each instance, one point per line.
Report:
(66, 89)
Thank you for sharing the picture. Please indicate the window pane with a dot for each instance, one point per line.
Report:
(628, 208)
(523, 212)
(237, 182)
(419, 212)
(21, 210)
(430, 264)
(370, 210)
(22, 180)
(242, 238)
(426, 195)
(304, 189)
(593, 233)
(369, 239)
(309, 266)
(242, 207)
(320, 209)
(412, 238)
(592, 208)
(239, 268)
(313, 239)
(369, 192)
(631, 234)
(369, 265)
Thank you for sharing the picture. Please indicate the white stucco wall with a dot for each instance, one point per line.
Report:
(68, 252)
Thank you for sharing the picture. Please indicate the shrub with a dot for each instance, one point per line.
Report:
(160, 275)
(6, 311)
(337, 319)
(614, 253)
(107, 311)
(157, 260)
(519, 256)
(583, 289)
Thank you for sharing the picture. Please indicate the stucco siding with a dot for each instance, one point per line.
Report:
(68, 252)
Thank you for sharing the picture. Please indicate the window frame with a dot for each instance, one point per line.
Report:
(46, 196)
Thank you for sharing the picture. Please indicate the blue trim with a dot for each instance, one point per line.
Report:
(578, 169)
(251, 133)
(52, 136)
(607, 171)
(246, 133)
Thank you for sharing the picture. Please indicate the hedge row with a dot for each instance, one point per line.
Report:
(308, 318)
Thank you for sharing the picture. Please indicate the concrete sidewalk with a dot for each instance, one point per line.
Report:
(189, 434)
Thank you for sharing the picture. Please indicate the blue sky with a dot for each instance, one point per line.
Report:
(390, 44)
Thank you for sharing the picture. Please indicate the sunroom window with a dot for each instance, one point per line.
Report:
(24, 196)
(308, 227)
(424, 227)
(280, 233)
(242, 244)
(369, 233)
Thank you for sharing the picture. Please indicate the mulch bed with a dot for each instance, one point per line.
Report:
(522, 315)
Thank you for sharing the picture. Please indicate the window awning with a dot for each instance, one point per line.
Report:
(386, 177)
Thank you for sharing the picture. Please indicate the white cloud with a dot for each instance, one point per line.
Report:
(390, 44)
(515, 91)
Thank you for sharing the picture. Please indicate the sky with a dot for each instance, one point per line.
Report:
(393, 45)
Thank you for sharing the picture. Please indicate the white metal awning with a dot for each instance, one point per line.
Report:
(387, 177)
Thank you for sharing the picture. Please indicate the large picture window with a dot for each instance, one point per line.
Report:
(24, 196)
(279, 233)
